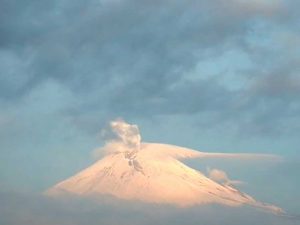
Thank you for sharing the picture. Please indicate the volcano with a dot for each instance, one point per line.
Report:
(153, 173)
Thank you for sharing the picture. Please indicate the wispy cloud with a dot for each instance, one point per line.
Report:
(221, 176)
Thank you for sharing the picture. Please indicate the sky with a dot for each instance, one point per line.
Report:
(211, 75)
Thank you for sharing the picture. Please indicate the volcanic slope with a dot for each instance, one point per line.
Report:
(154, 174)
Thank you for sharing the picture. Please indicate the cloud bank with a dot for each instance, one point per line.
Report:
(140, 59)
(20, 209)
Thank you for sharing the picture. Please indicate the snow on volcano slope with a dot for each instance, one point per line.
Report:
(151, 176)
(152, 173)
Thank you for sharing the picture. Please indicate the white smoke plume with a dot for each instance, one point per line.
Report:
(128, 134)
(126, 138)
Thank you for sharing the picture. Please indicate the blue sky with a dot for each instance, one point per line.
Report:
(210, 75)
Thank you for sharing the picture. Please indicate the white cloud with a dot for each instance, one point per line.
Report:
(221, 176)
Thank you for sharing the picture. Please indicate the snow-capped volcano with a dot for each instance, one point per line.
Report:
(152, 173)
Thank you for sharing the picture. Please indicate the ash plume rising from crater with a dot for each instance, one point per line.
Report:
(152, 172)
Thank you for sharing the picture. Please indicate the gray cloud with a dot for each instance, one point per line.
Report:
(130, 58)
(23, 209)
